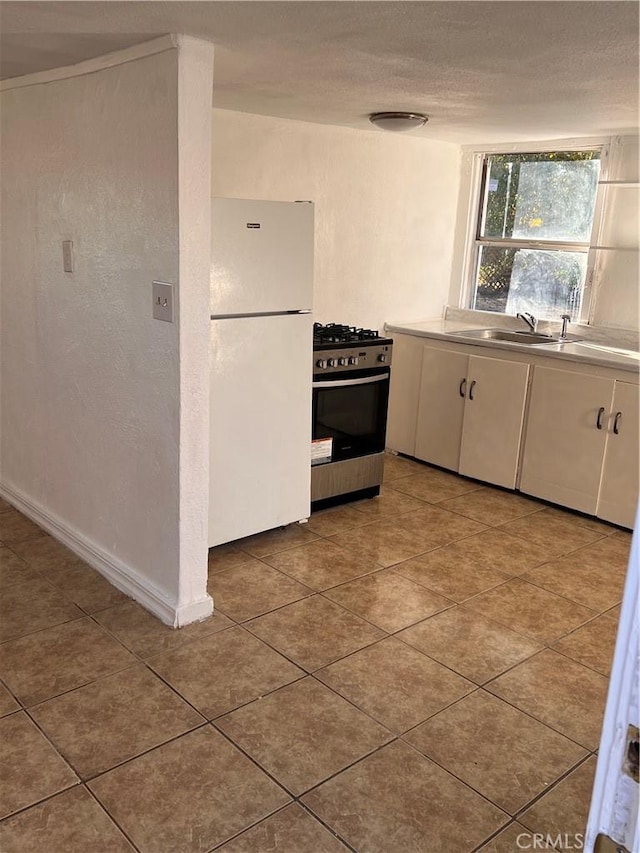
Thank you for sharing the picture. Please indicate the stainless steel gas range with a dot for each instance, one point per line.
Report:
(351, 374)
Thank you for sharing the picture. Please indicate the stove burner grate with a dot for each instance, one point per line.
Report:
(340, 334)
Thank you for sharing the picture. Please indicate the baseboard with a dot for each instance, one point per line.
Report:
(122, 576)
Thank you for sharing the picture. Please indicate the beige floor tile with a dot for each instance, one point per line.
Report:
(251, 589)
(530, 610)
(13, 569)
(328, 522)
(291, 830)
(395, 684)
(225, 670)
(385, 543)
(43, 665)
(388, 600)
(226, 557)
(303, 733)
(593, 644)
(397, 466)
(441, 526)
(85, 587)
(400, 795)
(565, 808)
(466, 642)
(272, 541)
(433, 485)
(114, 719)
(145, 635)
(451, 572)
(15, 527)
(188, 795)
(623, 536)
(492, 506)
(31, 768)
(507, 840)
(388, 503)
(593, 576)
(7, 703)
(71, 822)
(504, 754)
(31, 606)
(314, 632)
(494, 549)
(557, 535)
(588, 521)
(46, 553)
(558, 691)
(322, 564)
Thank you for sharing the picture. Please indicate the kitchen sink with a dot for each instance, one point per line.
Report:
(513, 336)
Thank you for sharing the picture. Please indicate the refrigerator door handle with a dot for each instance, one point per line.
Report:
(260, 314)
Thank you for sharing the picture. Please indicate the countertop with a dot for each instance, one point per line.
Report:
(603, 354)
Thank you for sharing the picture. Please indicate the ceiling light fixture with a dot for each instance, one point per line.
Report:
(398, 121)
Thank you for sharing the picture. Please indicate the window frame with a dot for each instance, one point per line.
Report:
(473, 241)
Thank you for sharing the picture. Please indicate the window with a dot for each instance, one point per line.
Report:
(533, 232)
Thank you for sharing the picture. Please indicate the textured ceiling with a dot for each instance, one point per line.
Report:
(483, 71)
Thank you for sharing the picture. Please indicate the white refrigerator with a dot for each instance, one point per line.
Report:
(260, 366)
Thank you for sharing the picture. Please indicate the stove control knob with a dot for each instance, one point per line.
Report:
(343, 362)
(353, 359)
(332, 362)
(382, 357)
(321, 363)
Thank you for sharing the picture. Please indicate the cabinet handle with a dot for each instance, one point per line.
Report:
(463, 387)
(599, 418)
(616, 421)
(471, 387)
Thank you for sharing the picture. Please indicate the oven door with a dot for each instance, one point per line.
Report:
(350, 415)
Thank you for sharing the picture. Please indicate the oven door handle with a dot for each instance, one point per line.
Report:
(367, 380)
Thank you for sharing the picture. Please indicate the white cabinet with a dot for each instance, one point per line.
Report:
(470, 414)
(572, 455)
(403, 393)
(493, 419)
(564, 445)
(619, 485)
(441, 407)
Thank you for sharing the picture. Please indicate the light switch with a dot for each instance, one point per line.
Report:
(163, 301)
(67, 255)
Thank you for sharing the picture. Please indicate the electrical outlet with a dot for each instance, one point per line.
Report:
(163, 301)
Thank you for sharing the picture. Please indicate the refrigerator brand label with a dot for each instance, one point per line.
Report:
(253, 224)
(321, 450)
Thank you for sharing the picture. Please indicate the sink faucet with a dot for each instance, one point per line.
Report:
(529, 319)
(565, 319)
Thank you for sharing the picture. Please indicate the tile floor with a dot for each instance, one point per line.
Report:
(420, 673)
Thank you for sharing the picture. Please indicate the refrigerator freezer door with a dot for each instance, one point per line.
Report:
(261, 256)
(260, 423)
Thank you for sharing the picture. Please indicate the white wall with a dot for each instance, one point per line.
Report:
(93, 423)
(384, 205)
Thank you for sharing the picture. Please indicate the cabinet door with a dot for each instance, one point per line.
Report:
(404, 393)
(493, 416)
(564, 448)
(441, 407)
(618, 497)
